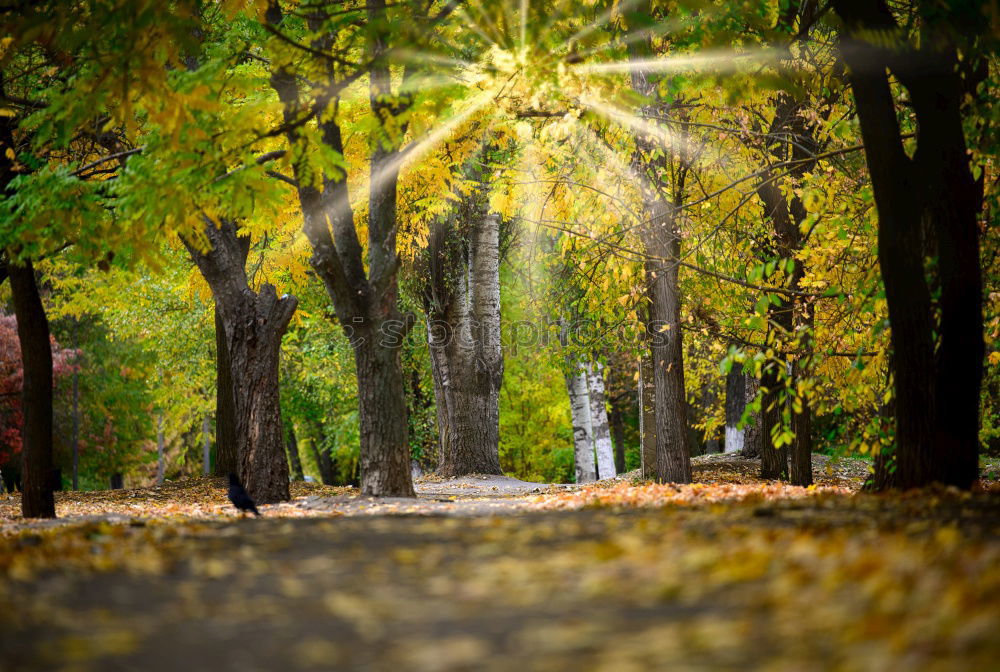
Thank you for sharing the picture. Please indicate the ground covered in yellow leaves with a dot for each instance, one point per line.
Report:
(727, 573)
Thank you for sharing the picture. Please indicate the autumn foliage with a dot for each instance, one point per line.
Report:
(11, 375)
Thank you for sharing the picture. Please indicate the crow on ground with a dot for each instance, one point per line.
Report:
(239, 497)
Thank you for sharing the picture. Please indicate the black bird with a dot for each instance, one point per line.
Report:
(239, 497)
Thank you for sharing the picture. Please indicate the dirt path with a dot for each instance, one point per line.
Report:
(790, 584)
(475, 574)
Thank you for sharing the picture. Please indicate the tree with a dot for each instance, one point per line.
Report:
(254, 323)
(364, 295)
(927, 202)
(461, 298)
(660, 234)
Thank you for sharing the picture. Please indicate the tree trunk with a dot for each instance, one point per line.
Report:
(462, 300)
(583, 433)
(37, 500)
(364, 295)
(470, 363)
(225, 408)
(294, 461)
(254, 324)
(206, 448)
(75, 437)
(773, 460)
(382, 414)
(618, 436)
(753, 435)
(599, 422)
(673, 458)
(661, 242)
(618, 400)
(321, 455)
(801, 451)
(647, 418)
(735, 404)
(441, 373)
(937, 385)
(254, 332)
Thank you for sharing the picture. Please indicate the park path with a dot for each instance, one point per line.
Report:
(640, 578)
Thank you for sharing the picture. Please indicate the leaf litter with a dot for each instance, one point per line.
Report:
(725, 573)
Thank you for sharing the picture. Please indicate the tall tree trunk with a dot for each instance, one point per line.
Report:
(673, 457)
(647, 418)
(441, 373)
(735, 404)
(617, 423)
(255, 330)
(321, 455)
(254, 323)
(462, 302)
(382, 414)
(37, 500)
(773, 460)
(599, 422)
(801, 449)
(618, 394)
(583, 433)
(206, 448)
(937, 386)
(225, 406)
(661, 242)
(294, 461)
(753, 433)
(75, 437)
(474, 360)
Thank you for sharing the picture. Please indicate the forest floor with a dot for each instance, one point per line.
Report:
(497, 574)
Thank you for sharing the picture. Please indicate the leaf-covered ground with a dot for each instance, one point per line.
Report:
(727, 573)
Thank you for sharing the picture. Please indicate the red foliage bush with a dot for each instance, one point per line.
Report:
(11, 379)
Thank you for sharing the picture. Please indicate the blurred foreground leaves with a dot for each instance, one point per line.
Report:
(709, 576)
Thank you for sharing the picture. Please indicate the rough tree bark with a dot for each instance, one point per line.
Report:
(647, 417)
(618, 393)
(225, 411)
(599, 422)
(791, 137)
(254, 323)
(753, 434)
(937, 385)
(773, 460)
(462, 301)
(37, 500)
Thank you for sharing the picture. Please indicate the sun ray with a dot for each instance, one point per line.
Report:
(412, 56)
(420, 147)
(717, 60)
(623, 117)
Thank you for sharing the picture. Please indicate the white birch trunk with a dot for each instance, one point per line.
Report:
(603, 447)
(583, 434)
